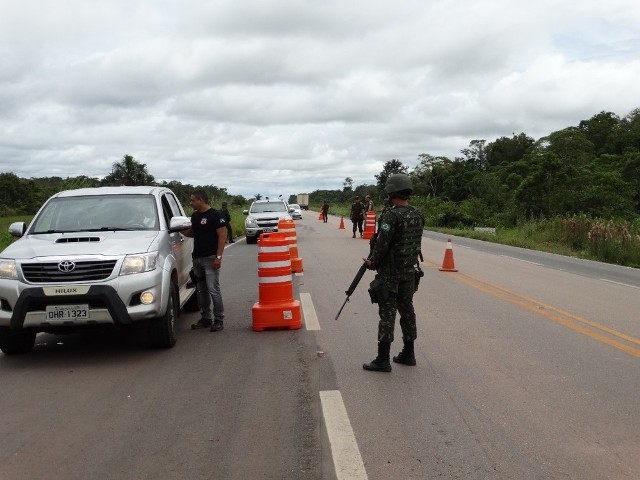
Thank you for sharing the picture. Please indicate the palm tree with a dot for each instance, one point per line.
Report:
(129, 171)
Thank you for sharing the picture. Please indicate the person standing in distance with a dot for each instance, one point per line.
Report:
(394, 255)
(368, 207)
(357, 215)
(227, 219)
(325, 211)
(209, 232)
(368, 203)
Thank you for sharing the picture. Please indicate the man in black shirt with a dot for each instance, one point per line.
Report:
(209, 232)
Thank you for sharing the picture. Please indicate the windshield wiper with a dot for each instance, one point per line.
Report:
(54, 231)
(114, 229)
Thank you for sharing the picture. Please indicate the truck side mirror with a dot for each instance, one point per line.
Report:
(17, 229)
(177, 224)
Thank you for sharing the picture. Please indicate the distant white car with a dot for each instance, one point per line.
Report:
(295, 211)
(264, 216)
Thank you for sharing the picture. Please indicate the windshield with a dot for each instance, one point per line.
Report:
(294, 205)
(264, 207)
(97, 213)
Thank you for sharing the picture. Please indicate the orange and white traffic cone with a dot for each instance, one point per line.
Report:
(447, 263)
(341, 227)
(320, 217)
(288, 227)
(276, 306)
(370, 225)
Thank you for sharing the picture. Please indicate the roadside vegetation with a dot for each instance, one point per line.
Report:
(575, 191)
(21, 198)
(616, 242)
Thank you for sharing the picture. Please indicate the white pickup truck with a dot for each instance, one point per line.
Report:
(97, 257)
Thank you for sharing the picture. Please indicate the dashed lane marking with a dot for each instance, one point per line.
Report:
(309, 312)
(344, 448)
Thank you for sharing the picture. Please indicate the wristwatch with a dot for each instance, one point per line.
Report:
(219, 257)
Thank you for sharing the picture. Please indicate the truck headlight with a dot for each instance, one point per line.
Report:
(140, 263)
(251, 222)
(8, 269)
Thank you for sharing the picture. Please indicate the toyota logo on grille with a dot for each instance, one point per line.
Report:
(66, 266)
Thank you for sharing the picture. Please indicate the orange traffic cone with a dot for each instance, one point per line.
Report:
(447, 263)
(288, 227)
(320, 217)
(276, 306)
(370, 225)
(341, 227)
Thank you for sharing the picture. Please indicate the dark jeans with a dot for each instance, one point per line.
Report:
(209, 288)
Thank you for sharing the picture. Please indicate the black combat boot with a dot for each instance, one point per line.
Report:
(381, 362)
(406, 356)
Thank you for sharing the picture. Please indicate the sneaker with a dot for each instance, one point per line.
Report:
(217, 326)
(202, 323)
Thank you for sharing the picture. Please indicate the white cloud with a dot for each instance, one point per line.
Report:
(288, 95)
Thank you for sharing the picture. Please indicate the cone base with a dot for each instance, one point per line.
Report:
(448, 269)
(277, 316)
(296, 265)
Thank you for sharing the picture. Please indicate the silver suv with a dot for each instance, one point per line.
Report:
(264, 216)
(95, 257)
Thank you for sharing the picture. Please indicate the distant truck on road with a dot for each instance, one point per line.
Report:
(303, 200)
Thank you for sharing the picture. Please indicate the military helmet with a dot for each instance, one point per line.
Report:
(398, 182)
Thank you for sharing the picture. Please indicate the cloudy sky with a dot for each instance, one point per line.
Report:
(286, 96)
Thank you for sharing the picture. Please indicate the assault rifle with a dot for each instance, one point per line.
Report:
(353, 286)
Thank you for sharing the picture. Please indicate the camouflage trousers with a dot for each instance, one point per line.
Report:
(399, 299)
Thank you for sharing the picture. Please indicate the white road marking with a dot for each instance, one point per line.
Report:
(521, 260)
(618, 283)
(344, 448)
(310, 317)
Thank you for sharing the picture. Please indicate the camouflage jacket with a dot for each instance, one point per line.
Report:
(357, 211)
(396, 246)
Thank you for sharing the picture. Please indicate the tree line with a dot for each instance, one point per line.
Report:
(591, 169)
(19, 196)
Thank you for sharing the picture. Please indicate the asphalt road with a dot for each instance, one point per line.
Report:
(527, 369)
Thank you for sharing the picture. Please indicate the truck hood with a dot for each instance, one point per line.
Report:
(82, 243)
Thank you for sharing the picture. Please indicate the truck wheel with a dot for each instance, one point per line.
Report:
(162, 331)
(191, 305)
(15, 342)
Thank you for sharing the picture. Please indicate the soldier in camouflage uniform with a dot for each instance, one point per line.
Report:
(394, 256)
